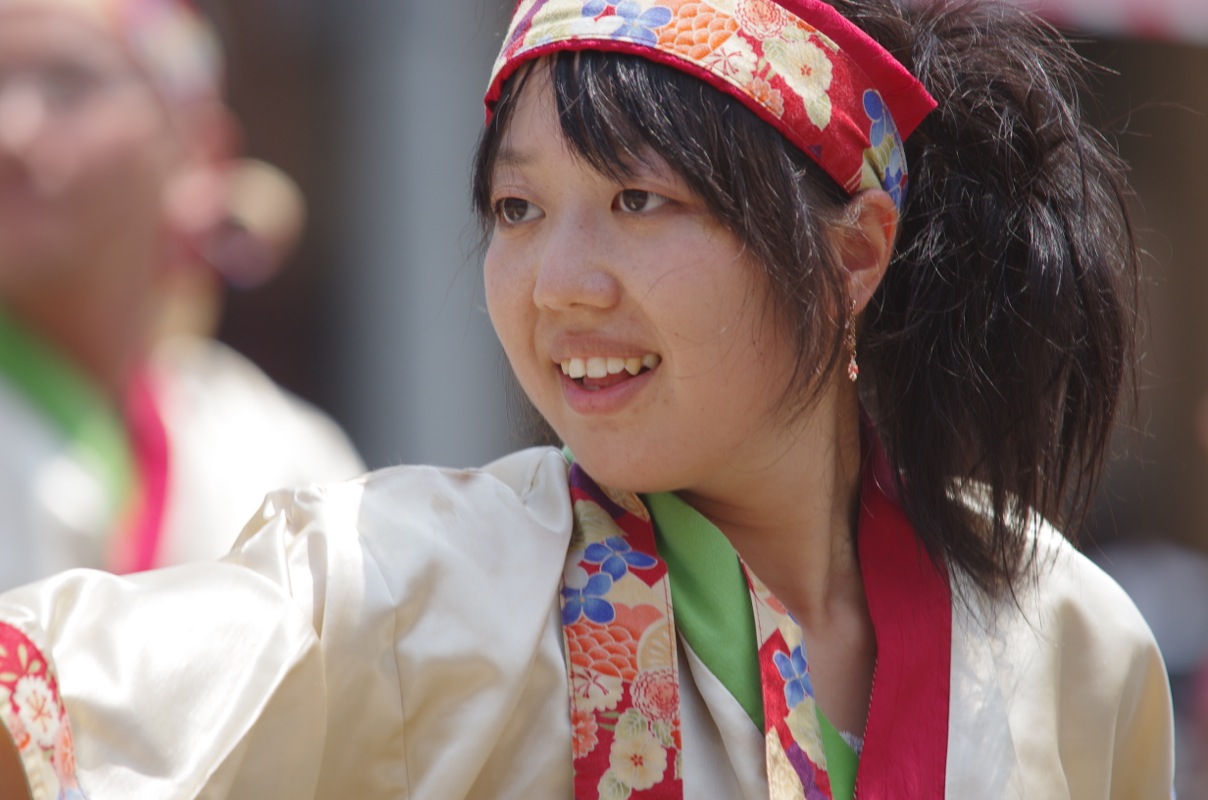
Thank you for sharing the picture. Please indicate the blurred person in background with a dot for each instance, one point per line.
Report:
(131, 438)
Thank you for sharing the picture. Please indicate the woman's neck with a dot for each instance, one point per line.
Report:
(794, 524)
(792, 519)
(98, 317)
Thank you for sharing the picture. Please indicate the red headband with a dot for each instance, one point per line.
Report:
(799, 64)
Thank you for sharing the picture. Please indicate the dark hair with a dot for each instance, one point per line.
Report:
(993, 354)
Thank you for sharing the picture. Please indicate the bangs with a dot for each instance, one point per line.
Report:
(616, 110)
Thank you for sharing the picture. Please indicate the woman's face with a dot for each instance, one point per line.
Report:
(84, 144)
(587, 273)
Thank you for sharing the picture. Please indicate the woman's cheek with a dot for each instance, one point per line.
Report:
(506, 294)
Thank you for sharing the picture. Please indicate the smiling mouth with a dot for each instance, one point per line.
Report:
(602, 372)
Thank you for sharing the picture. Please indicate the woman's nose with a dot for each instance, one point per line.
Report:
(577, 268)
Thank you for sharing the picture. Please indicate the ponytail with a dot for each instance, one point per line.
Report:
(998, 344)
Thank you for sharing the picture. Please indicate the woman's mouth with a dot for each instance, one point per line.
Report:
(601, 372)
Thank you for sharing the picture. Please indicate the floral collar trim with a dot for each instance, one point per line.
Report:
(620, 640)
(33, 712)
(620, 650)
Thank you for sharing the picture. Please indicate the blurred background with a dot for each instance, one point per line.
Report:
(373, 107)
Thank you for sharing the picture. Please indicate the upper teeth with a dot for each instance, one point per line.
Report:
(600, 367)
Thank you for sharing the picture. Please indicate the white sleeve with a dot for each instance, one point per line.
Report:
(393, 636)
(200, 681)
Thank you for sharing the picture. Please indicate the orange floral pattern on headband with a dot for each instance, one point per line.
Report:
(790, 72)
(697, 29)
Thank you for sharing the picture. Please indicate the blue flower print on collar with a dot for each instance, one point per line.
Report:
(795, 671)
(585, 597)
(616, 557)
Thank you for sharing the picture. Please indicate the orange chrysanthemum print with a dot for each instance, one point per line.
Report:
(585, 728)
(608, 650)
(767, 95)
(762, 18)
(696, 30)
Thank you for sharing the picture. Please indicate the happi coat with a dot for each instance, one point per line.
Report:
(401, 636)
(171, 478)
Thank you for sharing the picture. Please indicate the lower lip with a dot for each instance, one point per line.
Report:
(603, 401)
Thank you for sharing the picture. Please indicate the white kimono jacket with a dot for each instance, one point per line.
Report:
(233, 435)
(398, 636)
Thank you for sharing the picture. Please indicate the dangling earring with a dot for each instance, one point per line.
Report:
(849, 340)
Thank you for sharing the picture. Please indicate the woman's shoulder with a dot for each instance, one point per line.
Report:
(425, 582)
(1064, 681)
(526, 474)
(394, 524)
(519, 500)
(343, 600)
(1065, 586)
(531, 483)
(1061, 600)
(1056, 587)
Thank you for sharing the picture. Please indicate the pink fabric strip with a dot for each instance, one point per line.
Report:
(906, 739)
(149, 440)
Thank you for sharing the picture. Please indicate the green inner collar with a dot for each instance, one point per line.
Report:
(710, 596)
(66, 396)
(713, 613)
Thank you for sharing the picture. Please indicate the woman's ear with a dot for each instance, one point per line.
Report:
(864, 243)
(196, 189)
(209, 130)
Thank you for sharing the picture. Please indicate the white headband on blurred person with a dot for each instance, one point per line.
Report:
(169, 39)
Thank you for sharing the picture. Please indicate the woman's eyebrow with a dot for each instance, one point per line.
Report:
(510, 157)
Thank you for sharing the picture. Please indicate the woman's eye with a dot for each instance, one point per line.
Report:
(65, 86)
(636, 200)
(513, 210)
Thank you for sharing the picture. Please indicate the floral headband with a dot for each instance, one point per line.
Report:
(799, 64)
(168, 38)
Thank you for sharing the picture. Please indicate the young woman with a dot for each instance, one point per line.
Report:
(737, 580)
